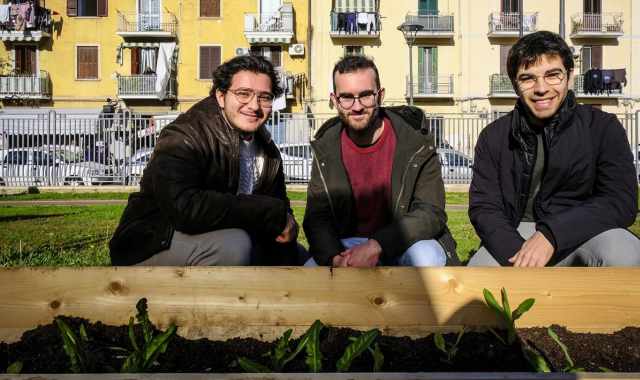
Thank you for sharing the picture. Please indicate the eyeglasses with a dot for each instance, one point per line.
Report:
(527, 81)
(366, 98)
(245, 95)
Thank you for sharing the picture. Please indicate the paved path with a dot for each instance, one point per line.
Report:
(89, 202)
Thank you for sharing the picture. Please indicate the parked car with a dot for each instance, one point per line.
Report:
(29, 167)
(456, 166)
(134, 166)
(296, 161)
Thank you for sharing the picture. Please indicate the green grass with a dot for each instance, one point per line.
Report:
(62, 196)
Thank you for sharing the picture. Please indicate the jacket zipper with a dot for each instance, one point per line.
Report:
(404, 174)
(326, 189)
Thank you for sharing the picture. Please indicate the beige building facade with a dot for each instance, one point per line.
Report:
(459, 51)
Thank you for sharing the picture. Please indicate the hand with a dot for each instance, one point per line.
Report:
(290, 232)
(341, 260)
(365, 255)
(535, 252)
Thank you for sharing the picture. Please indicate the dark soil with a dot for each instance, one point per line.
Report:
(41, 351)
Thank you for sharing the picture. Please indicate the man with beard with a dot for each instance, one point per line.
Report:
(553, 181)
(376, 195)
(213, 192)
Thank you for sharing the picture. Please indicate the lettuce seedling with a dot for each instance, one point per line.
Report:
(144, 356)
(570, 367)
(15, 368)
(75, 347)
(449, 349)
(504, 312)
(357, 347)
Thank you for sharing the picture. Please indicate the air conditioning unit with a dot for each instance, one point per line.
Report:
(296, 50)
(242, 51)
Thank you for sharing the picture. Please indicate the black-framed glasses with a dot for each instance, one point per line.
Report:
(527, 81)
(366, 98)
(245, 95)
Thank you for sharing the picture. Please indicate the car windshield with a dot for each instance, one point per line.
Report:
(298, 151)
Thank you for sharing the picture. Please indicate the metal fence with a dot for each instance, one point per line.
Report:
(56, 149)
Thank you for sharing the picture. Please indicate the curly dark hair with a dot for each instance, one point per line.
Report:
(223, 75)
(352, 63)
(528, 50)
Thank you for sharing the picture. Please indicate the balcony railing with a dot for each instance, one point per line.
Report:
(269, 27)
(144, 87)
(161, 25)
(597, 25)
(500, 85)
(508, 24)
(608, 89)
(355, 24)
(25, 86)
(431, 86)
(17, 29)
(433, 25)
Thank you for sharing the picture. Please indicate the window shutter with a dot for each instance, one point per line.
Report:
(30, 55)
(135, 61)
(205, 62)
(87, 62)
(19, 51)
(72, 7)
(216, 58)
(103, 8)
(205, 8)
(276, 53)
(504, 53)
(596, 56)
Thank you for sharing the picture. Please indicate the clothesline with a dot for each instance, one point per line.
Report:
(354, 22)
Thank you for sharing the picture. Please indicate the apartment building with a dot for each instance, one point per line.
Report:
(153, 56)
(458, 49)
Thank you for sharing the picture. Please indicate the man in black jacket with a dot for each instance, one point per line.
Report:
(213, 192)
(553, 181)
(376, 194)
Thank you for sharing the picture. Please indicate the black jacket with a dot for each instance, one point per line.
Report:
(417, 192)
(589, 185)
(190, 185)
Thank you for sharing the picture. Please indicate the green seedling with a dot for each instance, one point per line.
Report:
(447, 348)
(76, 347)
(282, 353)
(504, 312)
(570, 367)
(15, 368)
(144, 355)
(357, 347)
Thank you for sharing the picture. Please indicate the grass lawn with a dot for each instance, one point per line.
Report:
(78, 235)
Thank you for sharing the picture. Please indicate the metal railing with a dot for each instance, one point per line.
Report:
(503, 22)
(431, 23)
(54, 149)
(500, 84)
(277, 22)
(355, 24)
(578, 87)
(25, 86)
(427, 85)
(147, 23)
(144, 85)
(597, 23)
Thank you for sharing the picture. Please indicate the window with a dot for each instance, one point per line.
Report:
(353, 50)
(210, 8)
(273, 54)
(143, 60)
(591, 57)
(504, 53)
(510, 6)
(592, 6)
(25, 62)
(87, 62)
(209, 60)
(87, 8)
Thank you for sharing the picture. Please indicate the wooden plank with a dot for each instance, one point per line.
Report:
(220, 302)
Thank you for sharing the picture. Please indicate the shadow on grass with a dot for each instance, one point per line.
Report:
(15, 218)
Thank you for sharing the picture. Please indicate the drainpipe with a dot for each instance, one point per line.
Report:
(521, 8)
(562, 26)
(309, 37)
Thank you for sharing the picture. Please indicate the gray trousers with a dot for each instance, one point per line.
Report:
(227, 247)
(615, 247)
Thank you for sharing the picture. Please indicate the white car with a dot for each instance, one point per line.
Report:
(29, 167)
(136, 164)
(456, 166)
(296, 161)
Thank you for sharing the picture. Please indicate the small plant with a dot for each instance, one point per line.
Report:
(570, 367)
(76, 347)
(15, 368)
(504, 312)
(144, 356)
(447, 348)
(282, 353)
(357, 347)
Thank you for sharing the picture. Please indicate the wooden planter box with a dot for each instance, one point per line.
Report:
(223, 302)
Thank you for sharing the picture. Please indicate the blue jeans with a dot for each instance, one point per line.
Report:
(423, 253)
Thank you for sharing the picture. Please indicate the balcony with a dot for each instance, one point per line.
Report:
(25, 86)
(270, 28)
(18, 30)
(145, 87)
(433, 25)
(500, 86)
(147, 25)
(596, 25)
(610, 90)
(503, 24)
(355, 24)
(431, 87)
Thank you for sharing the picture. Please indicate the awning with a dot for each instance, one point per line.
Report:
(140, 44)
(22, 36)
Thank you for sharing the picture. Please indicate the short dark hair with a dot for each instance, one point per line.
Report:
(352, 63)
(530, 48)
(223, 75)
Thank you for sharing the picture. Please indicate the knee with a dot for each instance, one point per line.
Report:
(237, 247)
(424, 253)
(616, 247)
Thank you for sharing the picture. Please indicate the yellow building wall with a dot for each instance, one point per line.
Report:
(57, 55)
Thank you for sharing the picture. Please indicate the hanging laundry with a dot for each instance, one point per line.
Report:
(363, 21)
(352, 26)
(5, 12)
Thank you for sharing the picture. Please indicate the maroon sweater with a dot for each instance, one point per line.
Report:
(369, 172)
